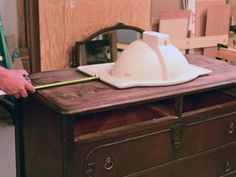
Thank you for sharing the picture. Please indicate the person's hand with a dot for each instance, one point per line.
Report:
(14, 83)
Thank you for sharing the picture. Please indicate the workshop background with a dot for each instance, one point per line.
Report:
(42, 36)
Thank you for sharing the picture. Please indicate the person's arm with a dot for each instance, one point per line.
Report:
(14, 83)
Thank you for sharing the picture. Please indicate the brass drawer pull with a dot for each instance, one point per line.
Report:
(227, 167)
(231, 128)
(108, 163)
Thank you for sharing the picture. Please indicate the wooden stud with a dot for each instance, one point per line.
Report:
(192, 43)
(82, 55)
(113, 45)
(200, 42)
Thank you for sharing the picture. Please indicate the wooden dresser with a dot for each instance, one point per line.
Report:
(95, 130)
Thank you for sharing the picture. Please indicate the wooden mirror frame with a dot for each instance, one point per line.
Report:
(79, 56)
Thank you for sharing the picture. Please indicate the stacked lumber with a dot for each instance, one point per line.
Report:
(218, 18)
(205, 18)
(175, 23)
(157, 6)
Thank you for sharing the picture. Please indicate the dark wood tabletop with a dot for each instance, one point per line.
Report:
(95, 96)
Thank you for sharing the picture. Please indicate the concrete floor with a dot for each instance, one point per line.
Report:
(7, 149)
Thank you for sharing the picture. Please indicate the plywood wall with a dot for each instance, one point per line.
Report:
(218, 20)
(62, 22)
(161, 5)
(201, 14)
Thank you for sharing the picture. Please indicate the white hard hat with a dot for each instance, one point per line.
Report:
(151, 61)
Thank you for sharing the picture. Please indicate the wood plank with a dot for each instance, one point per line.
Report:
(34, 35)
(175, 14)
(52, 35)
(175, 19)
(158, 6)
(192, 43)
(201, 13)
(218, 18)
(200, 17)
(200, 42)
(63, 22)
(180, 27)
(82, 55)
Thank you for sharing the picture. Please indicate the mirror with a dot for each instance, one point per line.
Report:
(105, 45)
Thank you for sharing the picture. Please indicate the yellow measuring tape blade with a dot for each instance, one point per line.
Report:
(63, 83)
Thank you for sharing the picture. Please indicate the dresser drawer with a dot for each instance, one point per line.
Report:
(219, 162)
(128, 140)
(123, 140)
(116, 119)
(206, 134)
(206, 104)
(207, 120)
(124, 156)
(143, 151)
(143, 144)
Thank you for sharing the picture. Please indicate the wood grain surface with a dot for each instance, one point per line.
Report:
(177, 20)
(158, 6)
(62, 22)
(180, 26)
(218, 18)
(52, 35)
(98, 96)
(173, 14)
(201, 13)
(200, 17)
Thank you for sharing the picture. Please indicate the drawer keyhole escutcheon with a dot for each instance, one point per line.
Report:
(108, 163)
(227, 167)
(231, 128)
(90, 168)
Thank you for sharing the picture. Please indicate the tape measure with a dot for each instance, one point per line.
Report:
(57, 84)
(63, 83)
